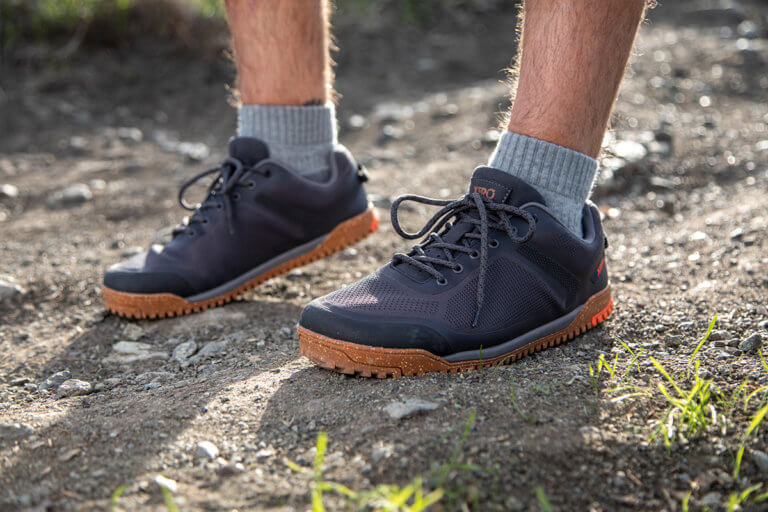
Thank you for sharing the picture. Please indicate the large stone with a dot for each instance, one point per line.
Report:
(409, 407)
(132, 351)
(73, 195)
(73, 387)
(184, 351)
(55, 380)
(9, 288)
(8, 191)
(209, 350)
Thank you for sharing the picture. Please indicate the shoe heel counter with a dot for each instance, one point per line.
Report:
(351, 176)
(599, 275)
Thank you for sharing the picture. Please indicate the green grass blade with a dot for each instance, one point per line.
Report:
(753, 425)
(168, 500)
(544, 504)
(703, 340)
(115, 496)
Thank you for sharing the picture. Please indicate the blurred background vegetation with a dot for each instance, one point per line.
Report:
(115, 22)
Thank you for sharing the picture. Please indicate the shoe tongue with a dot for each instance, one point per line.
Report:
(248, 150)
(501, 187)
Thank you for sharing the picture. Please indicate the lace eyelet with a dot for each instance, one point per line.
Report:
(219, 206)
(474, 255)
(251, 184)
(236, 197)
(205, 221)
(493, 244)
(514, 231)
(267, 173)
(459, 268)
(442, 281)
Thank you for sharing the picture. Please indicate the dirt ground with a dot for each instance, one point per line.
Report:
(683, 189)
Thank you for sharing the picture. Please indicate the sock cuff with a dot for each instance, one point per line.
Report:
(560, 170)
(289, 125)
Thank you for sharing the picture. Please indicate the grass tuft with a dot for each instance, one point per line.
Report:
(412, 497)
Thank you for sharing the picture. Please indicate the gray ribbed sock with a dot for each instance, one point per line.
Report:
(302, 137)
(562, 176)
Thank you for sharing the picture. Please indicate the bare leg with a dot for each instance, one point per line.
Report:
(281, 51)
(572, 59)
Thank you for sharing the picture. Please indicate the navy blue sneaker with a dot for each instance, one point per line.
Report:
(496, 278)
(257, 221)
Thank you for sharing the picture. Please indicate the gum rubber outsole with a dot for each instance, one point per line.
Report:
(161, 305)
(353, 359)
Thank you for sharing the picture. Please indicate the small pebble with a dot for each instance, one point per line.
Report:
(751, 343)
(206, 450)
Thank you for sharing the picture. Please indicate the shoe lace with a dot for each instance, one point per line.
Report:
(472, 208)
(221, 192)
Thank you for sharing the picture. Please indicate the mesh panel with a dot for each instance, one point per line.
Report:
(375, 294)
(567, 245)
(551, 267)
(512, 294)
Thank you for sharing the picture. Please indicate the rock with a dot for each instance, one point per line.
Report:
(68, 455)
(391, 112)
(356, 122)
(184, 351)
(9, 288)
(73, 387)
(133, 351)
(126, 133)
(131, 252)
(73, 195)
(751, 343)
(409, 407)
(390, 132)
(265, 453)
(381, 451)
(629, 150)
(206, 450)
(712, 499)
(445, 111)
(55, 380)
(760, 459)
(8, 191)
(210, 317)
(133, 332)
(737, 234)
(14, 430)
(748, 29)
(225, 468)
(209, 350)
(194, 151)
(166, 483)
(718, 335)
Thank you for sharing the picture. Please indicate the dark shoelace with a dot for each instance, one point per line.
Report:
(463, 210)
(221, 192)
